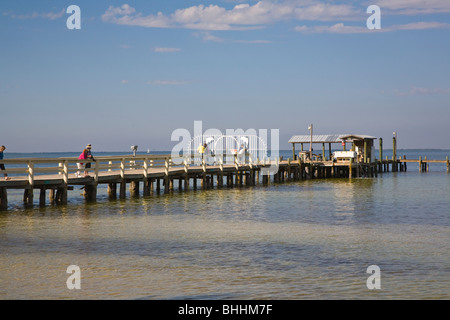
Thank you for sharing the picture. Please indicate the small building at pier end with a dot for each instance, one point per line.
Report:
(359, 148)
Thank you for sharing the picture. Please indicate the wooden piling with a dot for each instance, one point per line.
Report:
(134, 188)
(63, 193)
(58, 195)
(51, 195)
(42, 195)
(394, 154)
(380, 150)
(158, 186)
(28, 196)
(112, 190)
(350, 168)
(146, 187)
(90, 193)
(234, 175)
(122, 189)
(3, 198)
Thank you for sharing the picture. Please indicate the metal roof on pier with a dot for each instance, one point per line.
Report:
(328, 138)
(316, 138)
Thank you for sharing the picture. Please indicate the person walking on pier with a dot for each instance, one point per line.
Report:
(88, 156)
(2, 166)
(80, 165)
(202, 149)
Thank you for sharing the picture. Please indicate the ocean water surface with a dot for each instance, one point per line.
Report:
(311, 239)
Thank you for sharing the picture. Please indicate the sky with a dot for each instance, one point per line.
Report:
(138, 70)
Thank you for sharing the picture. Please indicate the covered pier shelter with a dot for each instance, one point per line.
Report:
(362, 144)
(322, 139)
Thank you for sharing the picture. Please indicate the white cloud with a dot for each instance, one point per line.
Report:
(327, 12)
(244, 16)
(240, 17)
(126, 15)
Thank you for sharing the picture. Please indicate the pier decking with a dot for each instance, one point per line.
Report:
(159, 172)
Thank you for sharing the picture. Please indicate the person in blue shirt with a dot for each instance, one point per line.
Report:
(2, 166)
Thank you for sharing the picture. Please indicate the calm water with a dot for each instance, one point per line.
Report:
(300, 240)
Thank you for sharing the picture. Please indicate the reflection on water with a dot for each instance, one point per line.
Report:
(299, 240)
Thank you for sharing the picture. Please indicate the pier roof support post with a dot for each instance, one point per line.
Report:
(323, 151)
(293, 151)
(381, 149)
(365, 151)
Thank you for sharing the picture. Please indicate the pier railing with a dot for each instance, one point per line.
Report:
(56, 174)
(32, 168)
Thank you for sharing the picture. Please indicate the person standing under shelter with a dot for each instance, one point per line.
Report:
(2, 166)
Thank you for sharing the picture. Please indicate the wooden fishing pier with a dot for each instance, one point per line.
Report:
(162, 173)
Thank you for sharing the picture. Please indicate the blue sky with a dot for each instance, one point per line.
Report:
(138, 70)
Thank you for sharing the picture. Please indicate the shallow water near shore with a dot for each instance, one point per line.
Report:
(310, 239)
